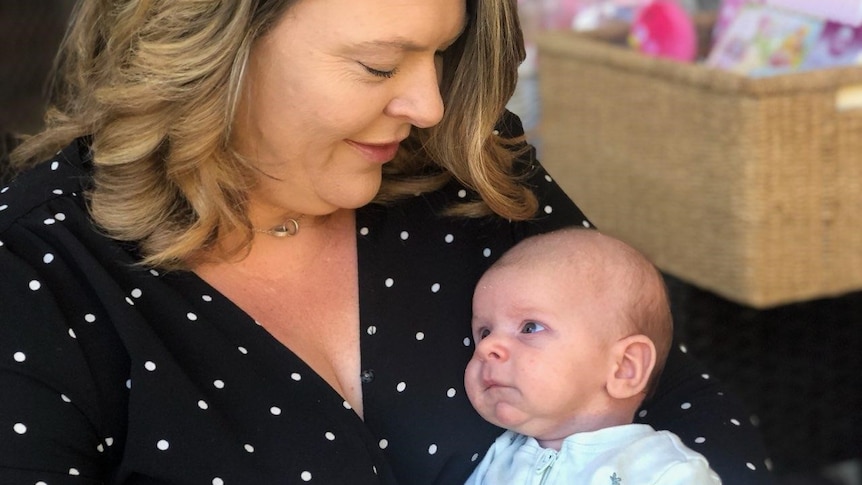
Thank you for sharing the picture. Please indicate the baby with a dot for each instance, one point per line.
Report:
(571, 330)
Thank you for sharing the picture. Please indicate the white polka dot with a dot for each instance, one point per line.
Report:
(496, 132)
(128, 383)
(49, 221)
(206, 298)
(191, 316)
(100, 448)
(548, 209)
(420, 336)
(330, 436)
(383, 444)
(218, 383)
(751, 466)
(486, 252)
(295, 376)
(371, 330)
(346, 405)
(435, 287)
(401, 386)
(150, 365)
(683, 349)
(305, 476)
(74, 471)
(72, 333)
(364, 231)
(154, 272)
(109, 441)
(451, 392)
(735, 422)
(20, 428)
(65, 398)
(203, 405)
(404, 235)
(48, 258)
(466, 342)
(89, 318)
(55, 165)
(137, 293)
(432, 449)
(129, 301)
(35, 285)
(243, 350)
(700, 440)
(59, 216)
(3, 207)
(389, 282)
(19, 357)
(642, 413)
(768, 463)
(163, 445)
(685, 405)
(248, 448)
(218, 481)
(548, 178)
(462, 193)
(586, 224)
(474, 457)
(705, 376)
(275, 410)
(449, 238)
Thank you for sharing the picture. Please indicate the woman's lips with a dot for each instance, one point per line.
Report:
(377, 153)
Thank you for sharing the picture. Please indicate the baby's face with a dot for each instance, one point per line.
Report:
(539, 366)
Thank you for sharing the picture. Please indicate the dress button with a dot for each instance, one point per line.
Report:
(366, 376)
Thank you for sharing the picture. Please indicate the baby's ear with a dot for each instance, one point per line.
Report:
(633, 361)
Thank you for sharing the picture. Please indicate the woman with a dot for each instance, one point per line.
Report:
(252, 259)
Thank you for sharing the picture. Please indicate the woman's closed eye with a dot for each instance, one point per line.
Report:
(532, 327)
(382, 73)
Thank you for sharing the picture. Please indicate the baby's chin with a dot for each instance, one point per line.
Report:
(506, 415)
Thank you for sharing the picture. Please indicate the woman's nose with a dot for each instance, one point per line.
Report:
(418, 99)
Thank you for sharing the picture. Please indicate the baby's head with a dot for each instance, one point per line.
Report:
(571, 330)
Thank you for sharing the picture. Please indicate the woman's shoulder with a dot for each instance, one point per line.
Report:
(65, 176)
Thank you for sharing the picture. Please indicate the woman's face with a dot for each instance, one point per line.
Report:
(330, 92)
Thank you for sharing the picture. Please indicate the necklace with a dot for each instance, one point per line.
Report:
(287, 228)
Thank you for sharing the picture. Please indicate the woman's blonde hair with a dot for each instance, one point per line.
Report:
(155, 84)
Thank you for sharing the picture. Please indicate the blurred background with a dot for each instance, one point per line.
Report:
(30, 31)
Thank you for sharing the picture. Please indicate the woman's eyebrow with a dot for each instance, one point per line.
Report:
(405, 44)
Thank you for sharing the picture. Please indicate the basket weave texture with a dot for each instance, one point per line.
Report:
(750, 188)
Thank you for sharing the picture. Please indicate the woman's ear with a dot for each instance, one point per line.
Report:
(633, 361)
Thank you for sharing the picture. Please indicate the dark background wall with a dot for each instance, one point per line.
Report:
(30, 31)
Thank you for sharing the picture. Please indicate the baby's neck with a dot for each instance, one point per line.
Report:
(584, 424)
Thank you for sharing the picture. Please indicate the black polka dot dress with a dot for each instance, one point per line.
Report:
(111, 373)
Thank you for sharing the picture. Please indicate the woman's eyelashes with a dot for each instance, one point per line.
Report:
(386, 74)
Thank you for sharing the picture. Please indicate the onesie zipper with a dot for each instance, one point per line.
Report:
(545, 463)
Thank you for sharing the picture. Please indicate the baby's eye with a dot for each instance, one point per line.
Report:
(532, 327)
(482, 333)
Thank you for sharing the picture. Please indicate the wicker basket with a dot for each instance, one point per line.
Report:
(750, 188)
